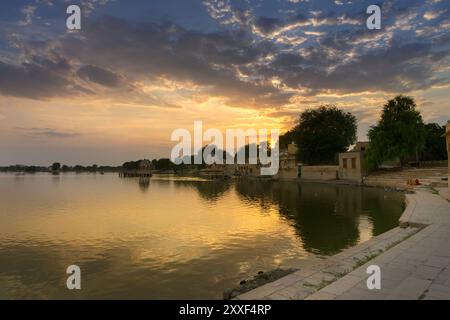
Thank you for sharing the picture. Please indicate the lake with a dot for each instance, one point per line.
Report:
(171, 237)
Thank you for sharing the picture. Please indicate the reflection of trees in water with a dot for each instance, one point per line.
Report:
(208, 190)
(259, 192)
(383, 208)
(316, 212)
(144, 184)
(326, 217)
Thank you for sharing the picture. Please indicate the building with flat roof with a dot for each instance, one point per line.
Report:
(351, 166)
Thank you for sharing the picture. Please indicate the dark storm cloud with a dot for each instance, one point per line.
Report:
(344, 41)
(38, 78)
(98, 75)
(150, 50)
(397, 68)
(268, 25)
(239, 61)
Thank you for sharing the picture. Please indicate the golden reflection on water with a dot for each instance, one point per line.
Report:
(171, 237)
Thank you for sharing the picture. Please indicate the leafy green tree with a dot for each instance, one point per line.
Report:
(286, 139)
(163, 164)
(434, 148)
(79, 168)
(31, 169)
(324, 132)
(399, 133)
(131, 165)
(56, 166)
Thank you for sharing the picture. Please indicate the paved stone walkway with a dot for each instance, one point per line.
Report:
(415, 268)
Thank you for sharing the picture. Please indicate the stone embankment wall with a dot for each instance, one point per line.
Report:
(320, 172)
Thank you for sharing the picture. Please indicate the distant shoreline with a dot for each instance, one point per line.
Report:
(38, 169)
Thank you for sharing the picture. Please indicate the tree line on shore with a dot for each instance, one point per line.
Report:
(400, 133)
(157, 164)
(162, 165)
(56, 166)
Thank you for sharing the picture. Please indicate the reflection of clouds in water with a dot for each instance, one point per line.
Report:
(178, 234)
(210, 190)
(127, 270)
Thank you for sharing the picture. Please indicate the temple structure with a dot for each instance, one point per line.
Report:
(143, 170)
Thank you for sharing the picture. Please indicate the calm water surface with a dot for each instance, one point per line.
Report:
(169, 237)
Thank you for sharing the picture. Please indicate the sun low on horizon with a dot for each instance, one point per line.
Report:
(116, 89)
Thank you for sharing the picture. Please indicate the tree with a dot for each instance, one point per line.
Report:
(79, 168)
(163, 164)
(324, 132)
(31, 169)
(286, 139)
(131, 165)
(398, 134)
(56, 166)
(434, 148)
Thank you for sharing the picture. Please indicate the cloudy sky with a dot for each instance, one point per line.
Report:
(137, 70)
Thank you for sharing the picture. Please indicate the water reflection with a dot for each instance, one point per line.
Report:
(211, 190)
(170, 237)
(326, 217)
(144, 184)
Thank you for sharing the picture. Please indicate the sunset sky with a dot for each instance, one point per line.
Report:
(115, 90)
